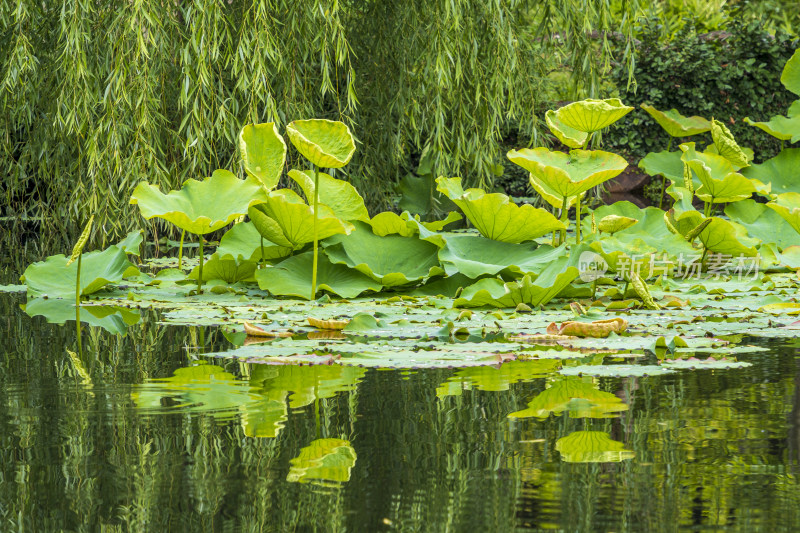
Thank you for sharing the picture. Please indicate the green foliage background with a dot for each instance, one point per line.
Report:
(98, 95)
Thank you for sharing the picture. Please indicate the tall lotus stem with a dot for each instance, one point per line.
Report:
(200, 270)
(564, 219)
(316, 251)
(263, 260)
(578, 219)
(78, 283)
(664, 179)
(180, 251)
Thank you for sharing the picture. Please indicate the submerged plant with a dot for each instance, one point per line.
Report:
(326, 144)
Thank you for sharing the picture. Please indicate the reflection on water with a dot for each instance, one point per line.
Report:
(142, 433)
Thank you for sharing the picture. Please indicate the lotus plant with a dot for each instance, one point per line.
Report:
(326, 144)
(201, 207)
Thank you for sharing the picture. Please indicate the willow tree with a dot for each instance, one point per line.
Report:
(98, 95)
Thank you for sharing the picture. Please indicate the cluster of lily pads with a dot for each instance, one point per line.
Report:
(411, 287)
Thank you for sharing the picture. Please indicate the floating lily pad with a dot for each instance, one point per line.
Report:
(615, 370)
(699, 364)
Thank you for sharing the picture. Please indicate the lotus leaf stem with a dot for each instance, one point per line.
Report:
(263, 260)
(78, 282)
(316, 251)
(578, 219)
(564, 219)
(200, 271)
(180, 251)
(707, 209)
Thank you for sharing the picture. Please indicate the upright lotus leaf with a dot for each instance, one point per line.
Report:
(726, 144)
(244, 242)
(727, 238)
(592, 115)
(763, 223)
(787, 205)
(568, 175)
(667, 164)
(614, 223)
(341, 197)
(780, 127)
(732, 187)
(54, 279)
(782, 171)
(677, 125)
(475, 256)
(392, 260)
(226, 268)
(577, 396)
(201, 207)
(530, 290)
(263, 153)
(324, 462)
(326, 143)
(292, 277)
(495, 216)
(285, 219)
(592, 447)
(568, 136)
(389, 223)
(790, 78)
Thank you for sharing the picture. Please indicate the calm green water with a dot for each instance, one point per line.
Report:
(142, 433)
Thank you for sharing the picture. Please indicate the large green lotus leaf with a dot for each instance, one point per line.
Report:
(780, 127)
(392, 260)
(763, 223)
(476, 256)
(667, 164)
(292, 277)
(496, 216)
(726, 144)
(733, 187)
(54, 279)
(568, 175)
(493, 292)
(286, 219)
(340, 196)
(131, 243)
(592, 115)
(592, 447)
(263, 153)
(420, 197)
(226, 268)
(719, 167)
(577, 396)
(727, 238)
(324, 462)
(325, 143)
(113, 319)
(388, 223)
(782, 171)
(549, 195)
(243, 242)
(787, 205)
(568, 136)
(790, 78)
(677, 125)
(201, 207)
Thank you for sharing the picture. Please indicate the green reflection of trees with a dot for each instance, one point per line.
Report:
(712, 449)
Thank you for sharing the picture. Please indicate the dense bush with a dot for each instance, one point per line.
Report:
(727, 75)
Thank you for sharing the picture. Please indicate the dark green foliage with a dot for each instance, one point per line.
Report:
(728, 76)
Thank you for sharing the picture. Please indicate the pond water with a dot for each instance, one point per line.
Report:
(143, 433)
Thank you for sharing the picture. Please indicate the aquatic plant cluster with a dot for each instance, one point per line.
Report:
(397, 291)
